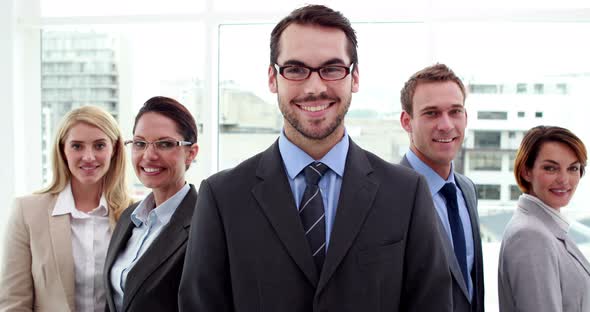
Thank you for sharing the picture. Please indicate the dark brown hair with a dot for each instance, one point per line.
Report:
(531, 145)
(314, 15)
(433, 73)
(185, 123)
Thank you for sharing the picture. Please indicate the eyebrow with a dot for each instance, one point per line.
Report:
(333, 61)
(80, 141)
(556, 163)
(158, 139)
(427, 108)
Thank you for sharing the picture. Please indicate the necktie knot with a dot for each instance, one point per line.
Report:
(449, 192)
(314, 172)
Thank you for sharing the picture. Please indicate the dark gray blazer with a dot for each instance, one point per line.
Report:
(460, 294)
(152, 284)
(247, 250)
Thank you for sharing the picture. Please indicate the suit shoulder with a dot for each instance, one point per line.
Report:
(237, 174)
(381, 165)
(464, 178)
(34, 204)
(526, 232)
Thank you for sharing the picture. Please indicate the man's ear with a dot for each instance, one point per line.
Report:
(355, 79)
(272, 79)
(405, 119)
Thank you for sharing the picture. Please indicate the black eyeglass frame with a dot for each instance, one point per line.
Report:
(281, 69)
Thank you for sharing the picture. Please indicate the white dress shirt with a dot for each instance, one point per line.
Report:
(91, 233)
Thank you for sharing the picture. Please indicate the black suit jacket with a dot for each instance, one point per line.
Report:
(460, 293)
(152, 284)
(247, 250)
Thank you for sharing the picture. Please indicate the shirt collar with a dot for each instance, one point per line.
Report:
(435, 182)
(163, 213)
(295, 159)
(65, 204)
(561, 220)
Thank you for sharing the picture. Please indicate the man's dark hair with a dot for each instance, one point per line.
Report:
(314, 15)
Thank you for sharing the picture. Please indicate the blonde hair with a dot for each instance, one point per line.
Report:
(114, 181)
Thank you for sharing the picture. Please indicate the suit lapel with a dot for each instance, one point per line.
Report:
(356, 197)
(577, 254)
(274, 196)
(61, 240)
(118, 243)
(172, 237)
(449, 251)
(471, 201)
(530, 207)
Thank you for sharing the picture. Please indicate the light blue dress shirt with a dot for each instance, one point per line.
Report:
(295, 160)
(435, 183)
(149, 221)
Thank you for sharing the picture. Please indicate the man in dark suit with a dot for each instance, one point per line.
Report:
(434, 116)
(314, 223)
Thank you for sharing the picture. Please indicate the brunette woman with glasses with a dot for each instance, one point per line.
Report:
(146, 254)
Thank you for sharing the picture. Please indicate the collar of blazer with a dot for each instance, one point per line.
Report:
(529, 207)
(357, 192)
(168, 241)
(60, 231)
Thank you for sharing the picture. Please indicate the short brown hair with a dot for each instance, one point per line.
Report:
(314, 15)
(531, 145)
(434, 73)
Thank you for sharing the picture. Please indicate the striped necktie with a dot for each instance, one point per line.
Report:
(311, 212)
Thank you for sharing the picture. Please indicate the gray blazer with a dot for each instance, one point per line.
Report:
(461, 302)
(540, 267)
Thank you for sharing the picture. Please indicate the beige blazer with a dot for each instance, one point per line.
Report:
(541, 269)
(37, 265)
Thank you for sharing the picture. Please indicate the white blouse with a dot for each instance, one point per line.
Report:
(91, 233)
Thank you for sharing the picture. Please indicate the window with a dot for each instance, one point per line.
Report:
(249, 118)
(511, 159)
(487, 139)
(119, 68)
(483, 88)
(488, 191)
(485, 161)
(514, 192)
(485, 115)
(538, 87)
(538, 114)
(521, 88)
(520, 114)
(561, 88)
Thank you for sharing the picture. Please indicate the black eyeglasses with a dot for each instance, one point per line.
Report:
(302, 72)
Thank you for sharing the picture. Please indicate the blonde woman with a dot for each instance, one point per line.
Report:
(57, 239)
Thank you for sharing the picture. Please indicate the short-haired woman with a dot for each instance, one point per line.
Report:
(541, 268)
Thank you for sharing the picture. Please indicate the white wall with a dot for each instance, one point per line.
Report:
(20, 155)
